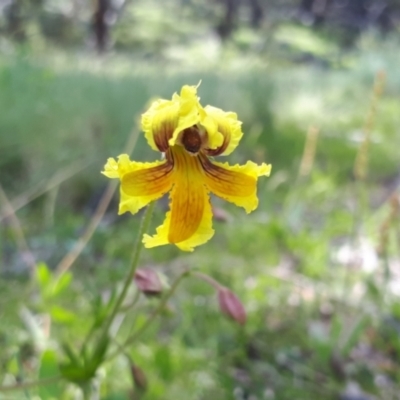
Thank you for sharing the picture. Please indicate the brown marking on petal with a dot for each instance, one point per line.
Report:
(191, 140)
(219, 150)
(187, 196)
(222, 181)
(161, 143)
(162, 134)
(149, 181)
(187, 208)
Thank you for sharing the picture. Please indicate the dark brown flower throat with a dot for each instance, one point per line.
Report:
(191, 139)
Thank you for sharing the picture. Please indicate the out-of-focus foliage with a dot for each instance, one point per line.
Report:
(316, 266)
(150, 25)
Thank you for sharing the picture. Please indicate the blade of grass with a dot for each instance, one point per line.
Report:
(66, 263)
(151, 318)
(43, 187)
(18, 233)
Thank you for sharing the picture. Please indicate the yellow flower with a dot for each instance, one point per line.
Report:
(188, 135)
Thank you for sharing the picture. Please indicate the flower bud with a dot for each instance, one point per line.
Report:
(220, 214)
(231, 306)
(139, 378)
(148, 281)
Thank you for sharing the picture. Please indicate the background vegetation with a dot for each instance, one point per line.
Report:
(317, 86)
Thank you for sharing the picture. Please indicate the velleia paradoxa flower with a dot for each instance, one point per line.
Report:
(190, 136)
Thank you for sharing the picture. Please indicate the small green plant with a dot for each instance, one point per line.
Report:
(188, 134)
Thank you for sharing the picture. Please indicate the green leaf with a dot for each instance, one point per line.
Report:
(12, 366)
(164, 363)
(48, 369)
(62, 283)
(356, 330)
(101, 310)
(62, 315)
(76, 374)
(99, 352)
(111, 301)
(75, 370)
(74, 359)
(81, 369)
(43, 276)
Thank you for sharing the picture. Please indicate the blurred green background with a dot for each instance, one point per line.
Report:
(317, 265)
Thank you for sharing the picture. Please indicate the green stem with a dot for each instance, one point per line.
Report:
(151, 318)
(86, 391)
(87, 339)
(128, 280)
(211, 281)
(21, 373)
(132, 304)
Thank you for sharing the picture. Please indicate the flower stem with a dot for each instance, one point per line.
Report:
(129, 277)
(151, 318)
(211, 281)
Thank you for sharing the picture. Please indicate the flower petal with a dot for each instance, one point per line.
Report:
(237, 184)
(166, 119)
(111, 169)
(148, 179)
(188, 200)
(228, 126)
(189, 108)
(141, 183)
(215, 139)
(159, 123)
(188, 224)
(201, 235)
(204, 231)
(115, 169)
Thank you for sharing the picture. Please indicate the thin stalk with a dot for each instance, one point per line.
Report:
(132, 303)
(87, 391)
(131, 273)
(31, 194)
(87, 339)
(362, 158)
(68, 260)
(50, 207)
(22, 374)
(18, 232)
(211, 281)
(151, 318)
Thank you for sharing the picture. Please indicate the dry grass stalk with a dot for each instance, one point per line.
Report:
(25, 198)
(70, 257)
(390, 221)
(18, 232)
(361, 162)
(307, 160)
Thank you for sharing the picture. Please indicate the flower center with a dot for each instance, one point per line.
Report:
(191, 139)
